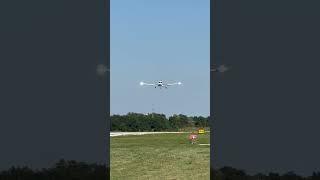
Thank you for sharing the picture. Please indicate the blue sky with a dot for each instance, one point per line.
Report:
(155, 40)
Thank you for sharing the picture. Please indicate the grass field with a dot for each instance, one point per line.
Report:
(159, 156)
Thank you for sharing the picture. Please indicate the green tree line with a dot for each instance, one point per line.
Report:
(156, 122)
(230, 173)
(62, 170)
(73, 170)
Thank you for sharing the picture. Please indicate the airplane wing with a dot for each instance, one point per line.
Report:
(147, 84)
(171, 84)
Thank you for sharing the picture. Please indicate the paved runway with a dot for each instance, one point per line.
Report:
(113, 134)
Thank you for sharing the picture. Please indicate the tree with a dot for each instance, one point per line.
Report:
(154, 122)
(178, 121)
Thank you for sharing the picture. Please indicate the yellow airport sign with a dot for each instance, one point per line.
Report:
(201, 131)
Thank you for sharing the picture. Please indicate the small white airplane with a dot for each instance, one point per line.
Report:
(160, 84)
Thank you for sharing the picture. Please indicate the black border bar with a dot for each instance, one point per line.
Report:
(103, 71)
(213, 50)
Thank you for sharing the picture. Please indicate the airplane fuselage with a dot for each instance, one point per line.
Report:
(160, 84)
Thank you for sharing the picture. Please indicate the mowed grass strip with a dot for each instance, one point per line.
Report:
(160, 156)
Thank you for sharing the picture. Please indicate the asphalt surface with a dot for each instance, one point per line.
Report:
(113, 134)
